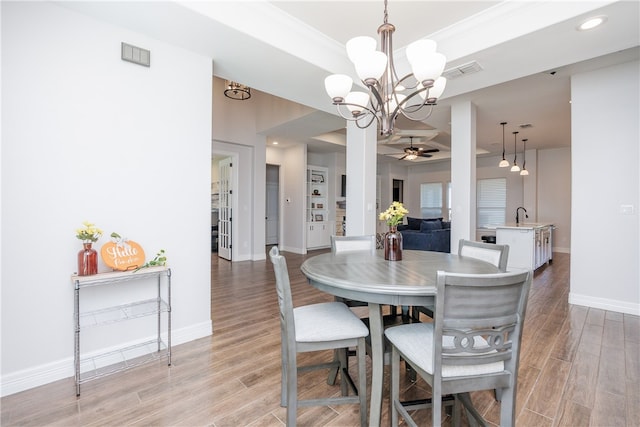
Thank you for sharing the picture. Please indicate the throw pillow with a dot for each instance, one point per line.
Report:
(430, 226)
(414, 223)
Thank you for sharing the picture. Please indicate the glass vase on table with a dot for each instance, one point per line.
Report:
(393, 244)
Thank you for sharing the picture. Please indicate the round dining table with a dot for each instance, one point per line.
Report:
(368, 277)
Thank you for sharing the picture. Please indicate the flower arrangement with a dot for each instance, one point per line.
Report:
(394, 214)
(89, 234)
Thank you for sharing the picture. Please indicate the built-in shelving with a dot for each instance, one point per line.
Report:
(317, 209)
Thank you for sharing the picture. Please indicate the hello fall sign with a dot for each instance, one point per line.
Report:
(122, 254)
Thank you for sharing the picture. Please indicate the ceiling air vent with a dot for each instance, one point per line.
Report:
(525, 126)
(462, 70)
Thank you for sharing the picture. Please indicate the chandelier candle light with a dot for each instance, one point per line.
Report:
(412, 96)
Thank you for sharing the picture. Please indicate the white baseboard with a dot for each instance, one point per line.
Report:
(605, 304)
(562, 250)
(47, 373)
(292, 249)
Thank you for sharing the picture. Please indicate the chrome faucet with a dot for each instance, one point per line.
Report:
(518, 217)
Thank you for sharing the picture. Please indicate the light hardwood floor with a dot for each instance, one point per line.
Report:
(579, 367)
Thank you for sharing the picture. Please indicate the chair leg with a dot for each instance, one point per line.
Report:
(342, 358)
(333, 372)
(508, 406)
(456, 412)
(284, 398)
(436, 406)
(395, 386)
(292, 392)
(362, 381)
(472, 413)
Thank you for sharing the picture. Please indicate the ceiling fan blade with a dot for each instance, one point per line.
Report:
(403, 157)
(431, 150)
(426, 155)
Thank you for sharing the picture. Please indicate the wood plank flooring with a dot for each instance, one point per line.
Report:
(579, 367)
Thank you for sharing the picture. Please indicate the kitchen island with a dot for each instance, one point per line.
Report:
(530, 244)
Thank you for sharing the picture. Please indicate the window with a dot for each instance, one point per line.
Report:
(431, 200)
(492, 201)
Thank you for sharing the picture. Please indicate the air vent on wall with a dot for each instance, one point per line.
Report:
(135, 54)
(462, 70)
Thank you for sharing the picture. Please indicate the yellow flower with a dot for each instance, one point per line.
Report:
(90, 233)
(394, 214)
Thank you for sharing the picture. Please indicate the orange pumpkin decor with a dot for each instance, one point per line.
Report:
(122, 254)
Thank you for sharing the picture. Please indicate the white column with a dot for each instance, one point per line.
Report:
(463, 172)
(361, 180)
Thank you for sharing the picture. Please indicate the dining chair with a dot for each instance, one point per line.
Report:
(473, 344)
(353, 243)
(497, 255)
(317, 327)
(366, 242)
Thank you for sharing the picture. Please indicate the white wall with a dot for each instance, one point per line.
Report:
(605, 260)
(554, 194)
(292, 162)
(87, 136)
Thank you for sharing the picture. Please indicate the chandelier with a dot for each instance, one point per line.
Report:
(412, 96)
(237, 91)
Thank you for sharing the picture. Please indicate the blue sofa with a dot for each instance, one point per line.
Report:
(428, 234)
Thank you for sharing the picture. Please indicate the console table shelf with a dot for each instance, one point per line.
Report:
(120, 359)
(92, 368)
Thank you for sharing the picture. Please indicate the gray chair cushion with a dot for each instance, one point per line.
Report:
(329, 321)
(415, 340)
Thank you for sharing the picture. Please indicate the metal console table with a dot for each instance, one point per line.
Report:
(97, 366)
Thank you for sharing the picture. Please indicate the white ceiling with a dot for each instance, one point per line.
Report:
(527, 50)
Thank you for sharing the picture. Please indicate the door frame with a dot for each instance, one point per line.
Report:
(234, 195)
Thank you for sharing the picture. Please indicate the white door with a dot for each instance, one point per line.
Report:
(271, 228)
(226, 190)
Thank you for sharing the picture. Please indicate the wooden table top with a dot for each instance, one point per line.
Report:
(366, 277)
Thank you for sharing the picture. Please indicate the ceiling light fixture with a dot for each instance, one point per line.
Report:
(524, 170)
(237, 91)
(504, 162)
(515, 167)
(412, 96)
(592, 23)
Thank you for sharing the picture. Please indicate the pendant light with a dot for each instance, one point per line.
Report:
(515, 167)
(504, 162)
(524, 170)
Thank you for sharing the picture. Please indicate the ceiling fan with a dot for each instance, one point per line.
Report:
(412, 153)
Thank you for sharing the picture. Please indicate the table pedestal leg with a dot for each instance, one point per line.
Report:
(377, 366)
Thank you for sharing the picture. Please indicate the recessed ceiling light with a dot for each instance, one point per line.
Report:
(275, 142)
(592, 23)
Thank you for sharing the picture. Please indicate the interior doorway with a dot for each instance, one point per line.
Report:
(398, 190)
(272, 205)
(222, 199)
